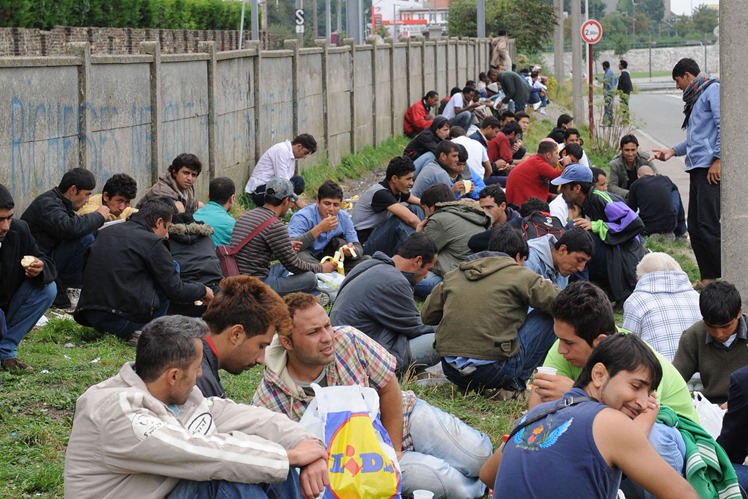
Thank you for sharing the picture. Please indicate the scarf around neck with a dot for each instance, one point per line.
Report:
(693, 91)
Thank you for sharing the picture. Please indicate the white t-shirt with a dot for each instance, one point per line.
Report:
(278, 161)
(560, 209)
(457, 100)
(476, 154)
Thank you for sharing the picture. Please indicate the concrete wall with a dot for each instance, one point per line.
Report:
(658, 59)
(135, 113)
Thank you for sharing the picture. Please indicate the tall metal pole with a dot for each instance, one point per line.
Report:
(300, 35)
(255, 19)
(576, 60)
(481, 19)
(241, 28)
(558, 45)
(591, 114)
(340, 16)
(328, 22)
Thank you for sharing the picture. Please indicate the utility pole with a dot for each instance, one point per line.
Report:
(558, 45)
(576, 61)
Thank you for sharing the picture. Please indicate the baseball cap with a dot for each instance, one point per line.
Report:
(574, 173)
(282, 188)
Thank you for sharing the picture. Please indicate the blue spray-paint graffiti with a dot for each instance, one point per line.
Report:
(185, 129)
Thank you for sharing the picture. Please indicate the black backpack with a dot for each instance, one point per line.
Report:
(540, 223)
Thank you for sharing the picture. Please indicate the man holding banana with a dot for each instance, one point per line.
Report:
(324, 229)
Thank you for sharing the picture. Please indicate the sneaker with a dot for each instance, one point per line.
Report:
(74, 295)
(543, 111)
(134, 337)
(15, 365)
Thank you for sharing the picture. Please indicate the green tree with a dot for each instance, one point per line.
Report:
(597, 8)
(621, 44)
(704, 20)
(532, 32)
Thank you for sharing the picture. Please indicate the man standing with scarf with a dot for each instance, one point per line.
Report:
(702, 151)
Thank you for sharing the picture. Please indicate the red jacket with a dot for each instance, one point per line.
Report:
(500, 147)
(529, 179)
(415, 119)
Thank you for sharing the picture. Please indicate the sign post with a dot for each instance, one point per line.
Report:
(592, 32)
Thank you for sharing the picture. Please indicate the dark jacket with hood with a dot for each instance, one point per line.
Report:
(381, 304)
(426, 141)
(125, 266)
(18, 243)
(192, 247)
(51, 219)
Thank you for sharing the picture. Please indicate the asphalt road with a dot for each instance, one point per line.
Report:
(658, 117)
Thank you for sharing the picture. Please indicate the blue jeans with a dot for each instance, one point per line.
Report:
(421, 161)
(69, 257)
(742, 472)
(463, 120)
(221, 489)
(122, 327)
(25, 308)
(422, 351)
(535, 339)
(427, 284)
(283, 282)
(388, 236)
(447, 455)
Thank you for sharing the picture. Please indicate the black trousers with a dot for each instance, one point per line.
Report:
(704, 223)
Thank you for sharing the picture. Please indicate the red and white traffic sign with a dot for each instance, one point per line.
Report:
(592, 31)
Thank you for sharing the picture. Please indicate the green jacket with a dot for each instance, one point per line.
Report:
(450, 227)
(480, 306)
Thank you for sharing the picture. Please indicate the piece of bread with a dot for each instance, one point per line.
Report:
(27, 261)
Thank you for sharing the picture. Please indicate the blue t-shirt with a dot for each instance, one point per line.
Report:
(557, 456)
(217, 217)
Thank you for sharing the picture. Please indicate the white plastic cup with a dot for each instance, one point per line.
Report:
(422, 494)
(546, 370)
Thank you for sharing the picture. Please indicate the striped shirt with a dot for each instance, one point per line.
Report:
(359, 360)
(272, 243)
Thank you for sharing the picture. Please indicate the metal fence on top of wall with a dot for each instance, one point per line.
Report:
(135, 113)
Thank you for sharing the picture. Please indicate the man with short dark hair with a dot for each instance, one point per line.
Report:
(625, 165)
(148, 432)
(377, 298)
(242, 321)
(500, 150)
(615, 228)
(130, 276)
(280, 162)
(563, 122)
(530, 177)
(485, 337)
(717, 345)
(598, 427)
(459, 109)
(222, 194)
(701, 93)
(493, 201)
(381, 220)
(272, 242)
(658, 202)
(178, 184)
(610, 83)
(436, 451)
(515, 89)
(63, 235)
(572, 136)
(116, 195)
(625, 87)
(27, 286)
(557, 259)
(324, 229)
(450, 224)
(418, 116)
(443, 170)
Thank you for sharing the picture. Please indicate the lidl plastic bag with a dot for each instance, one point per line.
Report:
(361, 460)
(329, 283)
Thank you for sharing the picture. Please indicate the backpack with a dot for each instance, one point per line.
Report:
(540, 223)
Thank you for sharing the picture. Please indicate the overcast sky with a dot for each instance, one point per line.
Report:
(681, 7)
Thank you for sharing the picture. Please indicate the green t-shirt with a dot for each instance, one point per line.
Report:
(673, 391)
